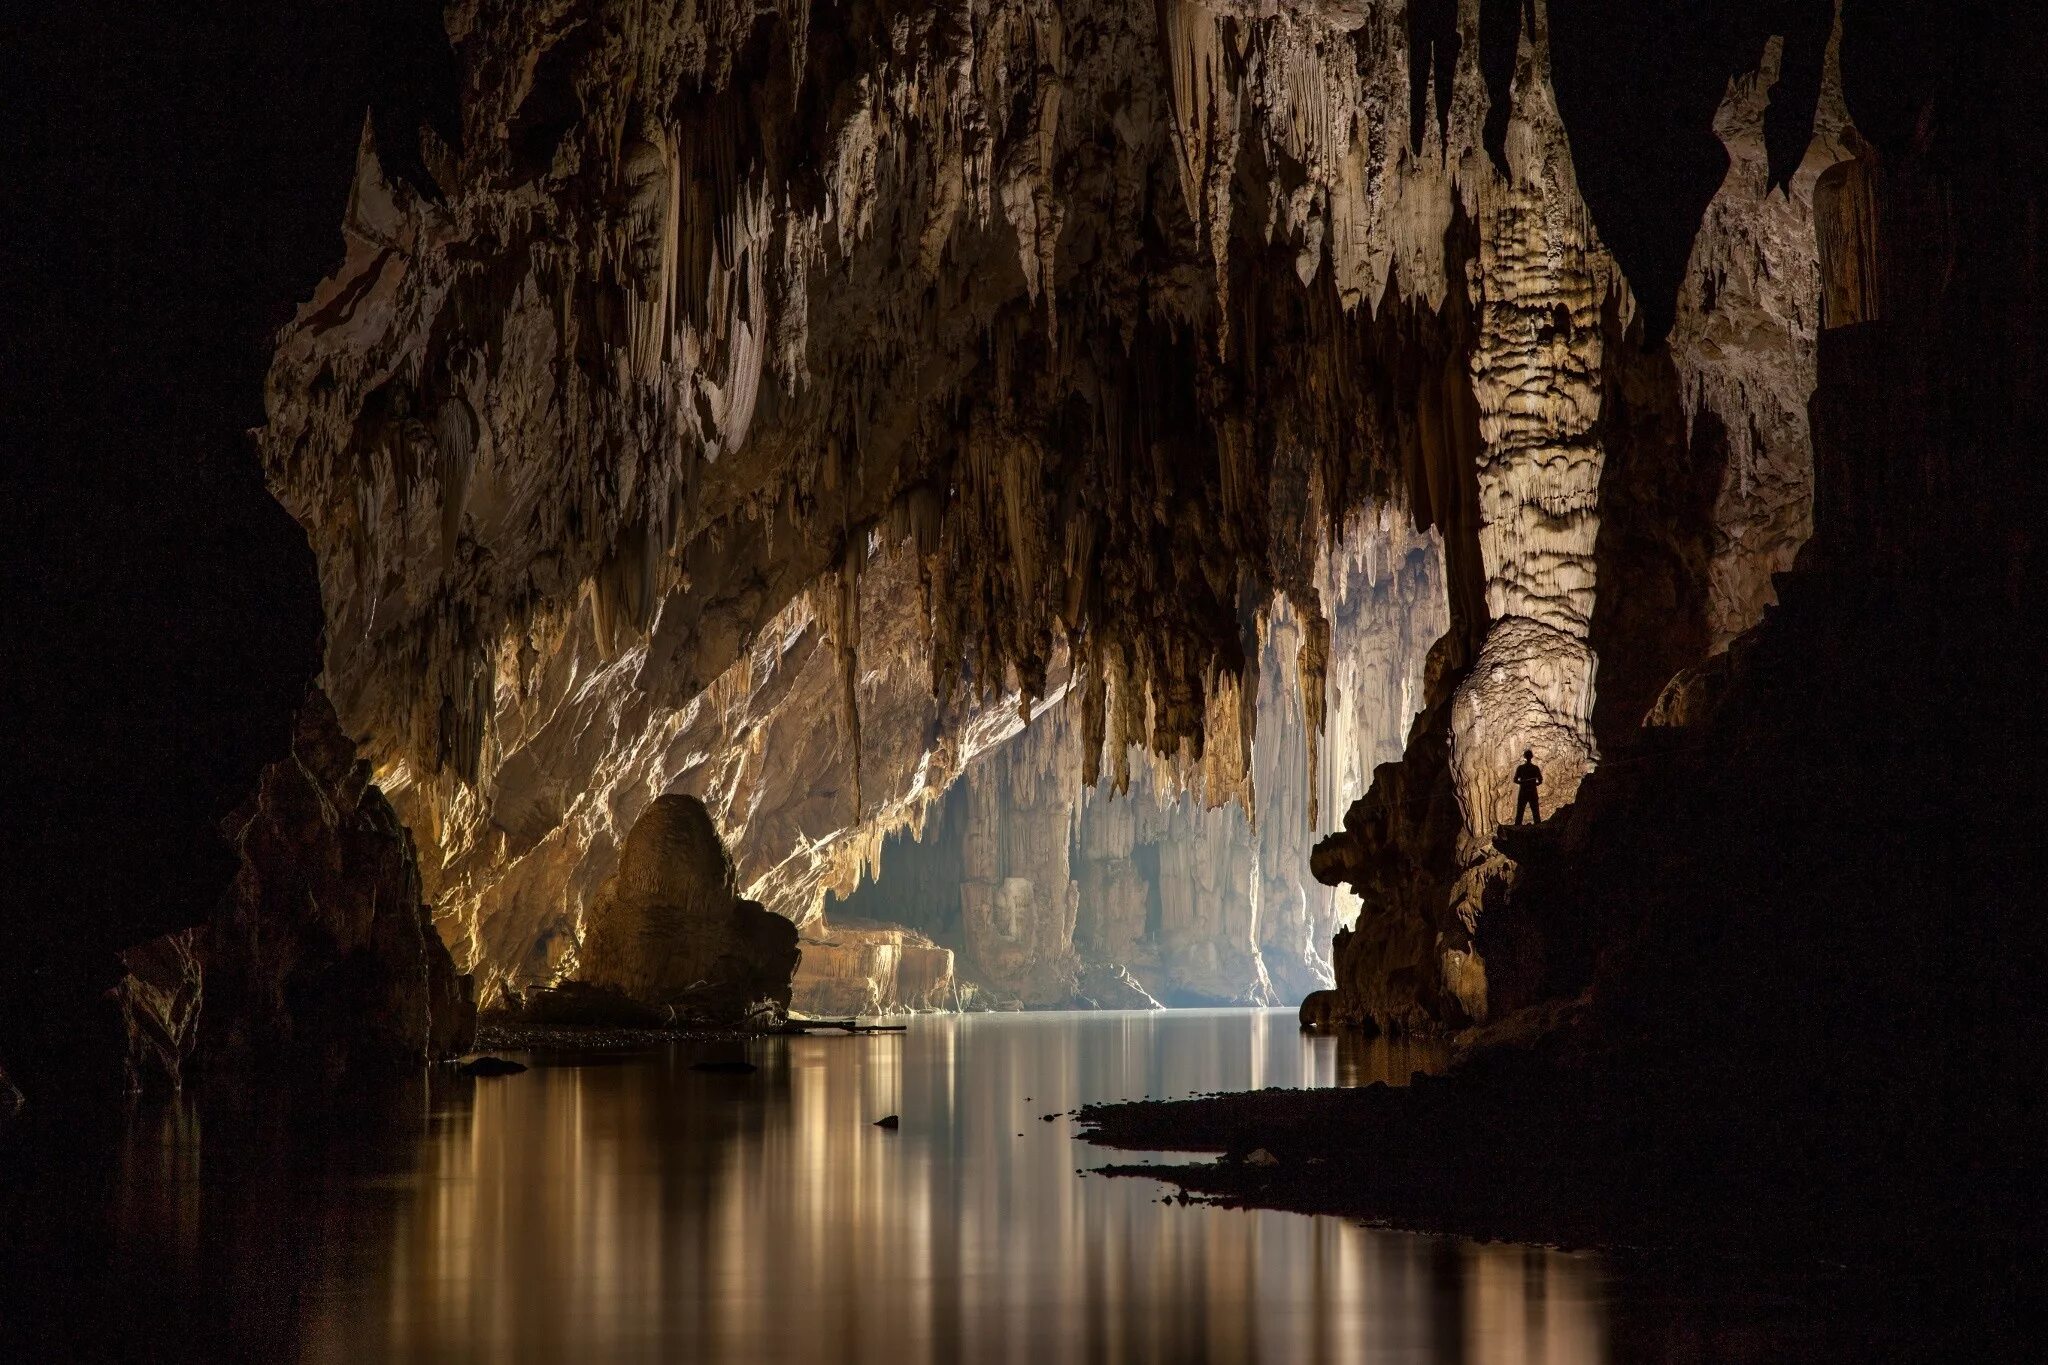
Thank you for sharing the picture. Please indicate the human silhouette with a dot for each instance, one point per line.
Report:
(1528, 778)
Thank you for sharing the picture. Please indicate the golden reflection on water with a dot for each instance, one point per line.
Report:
(634, 1209)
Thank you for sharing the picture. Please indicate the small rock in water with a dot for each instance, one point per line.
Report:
(1261, 1157)
(489, 1066)
(1047, 1118)
(891, 1122)
(726, 1068)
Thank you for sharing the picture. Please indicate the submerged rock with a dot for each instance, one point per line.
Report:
(670, 931)
(490, 1066)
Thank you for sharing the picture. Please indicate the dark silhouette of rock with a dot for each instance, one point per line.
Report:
(580, 1005)
(891, 1122)
(323, 955)
(670, 931)
(490, 1066)
(1110, 986)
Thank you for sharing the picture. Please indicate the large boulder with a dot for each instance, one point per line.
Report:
(323, 955)
(670, 930)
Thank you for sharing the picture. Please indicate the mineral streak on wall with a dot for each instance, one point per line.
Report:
(776, 407)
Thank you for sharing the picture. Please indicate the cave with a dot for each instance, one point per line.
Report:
(814, 620)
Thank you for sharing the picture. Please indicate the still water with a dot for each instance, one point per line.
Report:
(631, 1208)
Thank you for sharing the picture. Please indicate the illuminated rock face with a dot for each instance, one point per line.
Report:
(776, 409)
(1747, 341)
(1055, 897)
(669, 930)
(857, 969)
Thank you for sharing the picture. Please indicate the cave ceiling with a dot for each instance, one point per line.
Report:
(785, 406)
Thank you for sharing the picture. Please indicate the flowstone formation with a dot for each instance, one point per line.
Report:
(782, 408)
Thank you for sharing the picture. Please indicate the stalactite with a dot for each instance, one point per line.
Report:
(641, 389)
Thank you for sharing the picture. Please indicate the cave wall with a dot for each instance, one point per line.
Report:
(1050, 893)
(1675, 469)
(722, 371)
(173, 183)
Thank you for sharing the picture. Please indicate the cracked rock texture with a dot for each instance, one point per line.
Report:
(322, 956)
(777, 408)
(668, 929)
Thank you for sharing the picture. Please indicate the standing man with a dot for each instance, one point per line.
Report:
(1528, 778)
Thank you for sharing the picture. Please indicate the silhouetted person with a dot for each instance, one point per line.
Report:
(1528, 778)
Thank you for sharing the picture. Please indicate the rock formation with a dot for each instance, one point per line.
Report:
(1147, 892)
(323, 957)
(1583, 477)
(856, 968)
(934, 371)
(1746, 341)
(669, 931)
(159, 998)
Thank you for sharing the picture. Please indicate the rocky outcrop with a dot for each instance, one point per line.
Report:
(1746, 340)
(323, 957)
(159, 1000)
(1587, 482)
(669, 931)
(1406, 964)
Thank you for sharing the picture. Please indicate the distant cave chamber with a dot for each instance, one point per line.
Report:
(1047, 894)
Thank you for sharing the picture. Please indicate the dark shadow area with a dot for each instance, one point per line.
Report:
(1637, 83)
(174, 178)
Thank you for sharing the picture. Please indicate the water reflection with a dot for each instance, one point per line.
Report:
(641, 1210)
(630, 1208)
